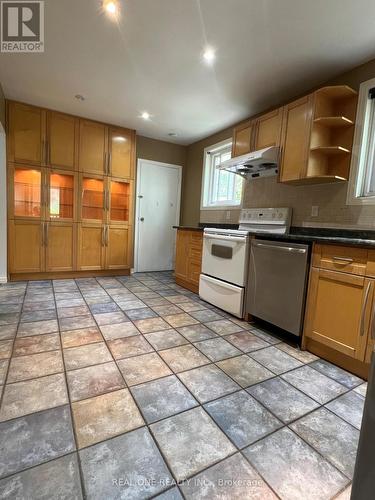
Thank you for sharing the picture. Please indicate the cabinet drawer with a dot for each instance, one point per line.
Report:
(351, 260)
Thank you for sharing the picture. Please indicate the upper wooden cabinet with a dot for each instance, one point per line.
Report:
(268, 129)
(26, 134)
(92, 147)
(62, 138)
(121, 150)
(242, 138)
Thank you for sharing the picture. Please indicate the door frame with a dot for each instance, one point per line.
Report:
(141, 162)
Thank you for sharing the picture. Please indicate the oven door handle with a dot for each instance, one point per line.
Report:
(225, 238)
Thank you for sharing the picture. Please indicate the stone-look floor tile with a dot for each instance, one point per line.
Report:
(129, 304)
(159, 302)
(192, 306)
(10, 308)
(105, 416)
(110, 318)
(335, 439)
(39, 306)
(233, 479)
(104, 307)
(217, 349)
(177, 299)
(94, 380)
(208, 382)
(34, 439)
(244, 370)
(5, 348)
(78, 322)
(223, 327)
(70, 303)
(41, 315)
(127, 466)
(172, 494)
(206, 315)
(275, 360)
(167, 310)
(292, 405)
(9, 318)
(129, 346)
(292, 468)
(56, 479)
(361, 389)
(37, 328)
(269, 337)
(35, 365)
(349, 407)
(119, 330)
(82, 336)
(165, 339)
(86, 355)
(191, 441)
(141, 313)
(162, 398)
(71, 312)
(243, 324)
(67, 295)
(140, 369)
(246, 341)
(341, 376)
(242, 418)
(314, 384)
(345, 494)
(183, 358)
(3, 370)
(151, 325)
(8, 332)
(303, 356)
(196, 333)
(180, 320)
(36, 344)
(30, 396)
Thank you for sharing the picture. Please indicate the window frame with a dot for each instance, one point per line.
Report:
(359, 174)
(207, 180)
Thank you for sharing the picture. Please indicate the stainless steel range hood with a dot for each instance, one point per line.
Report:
(261, 163)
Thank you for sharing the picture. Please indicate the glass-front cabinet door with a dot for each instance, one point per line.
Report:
(26, 197)
(93, 198)
(61, 195)
(119, 201)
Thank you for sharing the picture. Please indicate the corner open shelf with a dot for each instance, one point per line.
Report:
(334, 121)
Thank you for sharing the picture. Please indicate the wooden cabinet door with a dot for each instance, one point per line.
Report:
(26, 246)
(182, 255)
(338, 311)
(91, 247)
(93, 198)
(118, 242)
(62, 134)
(60, 239)
(92, 147)
(26, 134)
(61, 196)
(296, 139)
(268, 129)
(26, 192)
(121, 146)
(119, 201)
(242, 138)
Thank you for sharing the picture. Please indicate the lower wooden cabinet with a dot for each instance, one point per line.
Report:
(59, 241)
(26, 249)
(188, 258)
(118, 247)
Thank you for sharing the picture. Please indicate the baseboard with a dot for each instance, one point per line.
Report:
(3, 279)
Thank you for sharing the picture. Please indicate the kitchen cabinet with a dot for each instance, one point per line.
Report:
(188, 258)
(26, 192)
(243, 138)
(268, 129)
(26, 134)
(91, 247)
(61, 193)
(26, 246)
(118, 247)
(59, 241)
(62, 140)
(121, 152)
(92, 147)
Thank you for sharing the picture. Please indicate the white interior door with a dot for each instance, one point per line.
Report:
(158, 210)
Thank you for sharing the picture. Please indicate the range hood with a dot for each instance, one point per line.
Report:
(261, 163)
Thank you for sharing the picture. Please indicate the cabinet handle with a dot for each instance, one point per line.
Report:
(107, 236)
(42, 225)
(46, 227)
(346, 260)
(362, 326)
(103, 231)
(373, 322)
(109, 163)
(107, 206)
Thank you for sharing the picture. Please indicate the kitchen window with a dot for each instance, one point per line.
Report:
(221, 189)
(361, 190)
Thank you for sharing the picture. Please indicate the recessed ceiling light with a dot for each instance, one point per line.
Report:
(110, 6)
(209, 55)
(79, 97)
(145, 115)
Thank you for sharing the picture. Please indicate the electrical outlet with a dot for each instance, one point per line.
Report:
(228, 215)
(314, 211)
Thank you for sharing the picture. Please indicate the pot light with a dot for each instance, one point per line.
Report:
(110, 7)
(145, 115)
(209, 55)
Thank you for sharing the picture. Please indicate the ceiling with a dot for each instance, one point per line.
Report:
(151, 60)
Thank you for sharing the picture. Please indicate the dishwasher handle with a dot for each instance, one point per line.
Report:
(282, 249)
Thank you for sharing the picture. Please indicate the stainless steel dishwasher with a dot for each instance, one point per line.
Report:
(277, 283)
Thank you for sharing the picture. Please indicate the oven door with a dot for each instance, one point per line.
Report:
(225, 257)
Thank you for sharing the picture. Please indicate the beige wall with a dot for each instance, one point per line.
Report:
(165, 152)
(267, 192)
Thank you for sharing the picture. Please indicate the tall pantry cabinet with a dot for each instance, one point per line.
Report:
(70, 194)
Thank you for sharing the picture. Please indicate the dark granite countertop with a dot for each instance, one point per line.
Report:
(353, 237)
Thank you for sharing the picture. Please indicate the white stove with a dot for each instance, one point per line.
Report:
(226, 255)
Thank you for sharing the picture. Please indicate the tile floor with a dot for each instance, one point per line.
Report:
(133, 387)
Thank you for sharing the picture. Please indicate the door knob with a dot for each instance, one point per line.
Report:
(142, 219)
